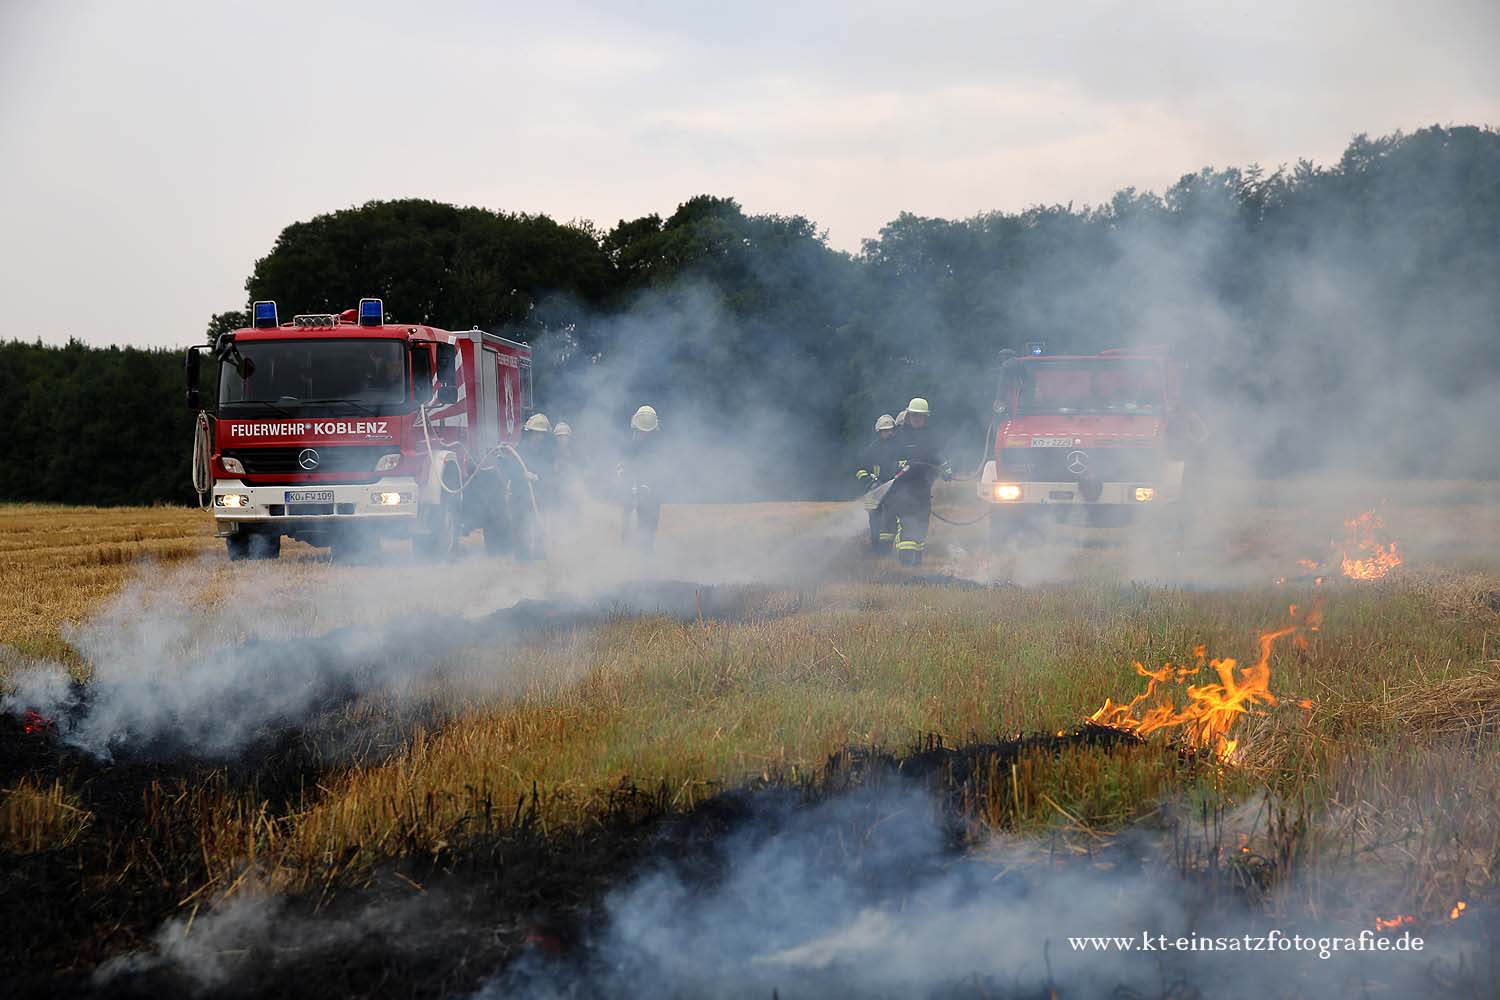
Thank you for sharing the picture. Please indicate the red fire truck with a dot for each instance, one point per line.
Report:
(1106, 435)
(339, 429)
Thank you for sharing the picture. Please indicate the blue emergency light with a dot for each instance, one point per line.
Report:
(1036, 348)
(371, 312)
(264, 313)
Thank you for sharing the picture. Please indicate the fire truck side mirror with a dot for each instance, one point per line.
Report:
(447, 373)
(190, 369)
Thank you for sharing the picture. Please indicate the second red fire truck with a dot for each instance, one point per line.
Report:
(1104, 435)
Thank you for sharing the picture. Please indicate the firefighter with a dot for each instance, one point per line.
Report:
(564, 464)
(908, 501)
(901, 419)
(877, 465)
(563, 455)
(640, 472)
(531, 483)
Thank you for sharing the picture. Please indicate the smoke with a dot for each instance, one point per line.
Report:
(254, 941)
(865, 895)
(745, 403)
(868, 893)
(1335, 322)
(202, 661)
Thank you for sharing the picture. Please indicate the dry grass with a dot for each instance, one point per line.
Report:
(692, 705)
(40, 817)
(61, 563)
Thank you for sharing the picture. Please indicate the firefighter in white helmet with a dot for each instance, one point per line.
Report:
(907, 506)
(562, 445)
(901, 419)
(644, 420)
(641, 478)
(877, 464)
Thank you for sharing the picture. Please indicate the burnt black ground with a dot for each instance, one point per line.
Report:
(445, 926)
(508, 893)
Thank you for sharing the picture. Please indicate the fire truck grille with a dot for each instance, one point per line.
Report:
(1106, 465)
(357, 460)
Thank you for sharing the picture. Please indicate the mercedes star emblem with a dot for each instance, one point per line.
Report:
(308, 459)
(1078, 462)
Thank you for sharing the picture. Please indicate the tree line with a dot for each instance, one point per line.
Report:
(1343, 315)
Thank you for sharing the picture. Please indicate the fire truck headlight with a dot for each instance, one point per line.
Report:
(1007, 491)
(1143, 494)
(233, 465)
(231, 500)
(390, 499)
(388, 462)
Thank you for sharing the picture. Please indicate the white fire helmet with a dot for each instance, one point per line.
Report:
(901, 419)
(538, 422)
(918, 405)
(562, 429)
(644, 420)
(885, 422)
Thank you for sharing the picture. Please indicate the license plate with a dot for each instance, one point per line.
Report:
(309, 496)
(1060, 495)
(1051, 442)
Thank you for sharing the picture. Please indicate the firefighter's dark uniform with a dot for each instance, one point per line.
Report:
(907, 506)
(877, 464)
(566, 468)
(642, 483)
(536, 449)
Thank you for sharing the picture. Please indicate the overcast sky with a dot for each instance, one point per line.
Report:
(152, 151)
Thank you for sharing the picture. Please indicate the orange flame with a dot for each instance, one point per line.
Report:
(1392, 923)
(1458, 910)
(1366, 557)
(1212, 709)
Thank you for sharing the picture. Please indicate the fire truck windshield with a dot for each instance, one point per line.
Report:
(1090, 386)
(306, 376)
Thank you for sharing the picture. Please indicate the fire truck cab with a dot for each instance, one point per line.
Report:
(340, 429)
(1106, 435)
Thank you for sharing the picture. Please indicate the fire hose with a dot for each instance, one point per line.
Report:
(961, 524)
(203, 449)
(885, 488)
